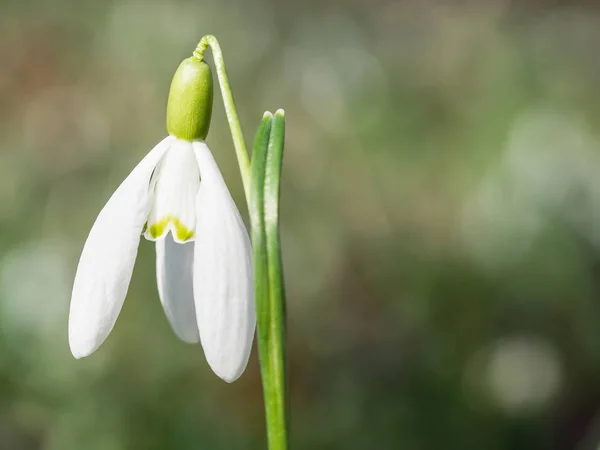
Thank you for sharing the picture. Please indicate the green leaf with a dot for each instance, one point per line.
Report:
(268, 273)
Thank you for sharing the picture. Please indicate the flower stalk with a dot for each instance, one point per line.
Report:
(230, 109)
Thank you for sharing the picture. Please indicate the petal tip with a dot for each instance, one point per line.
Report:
(229, 380)
(77, 355)
(227, 365)
(82, 343)
(188, 338)
(79, 350)
(226, 374)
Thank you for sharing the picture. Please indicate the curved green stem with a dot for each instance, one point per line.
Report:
(230, 110)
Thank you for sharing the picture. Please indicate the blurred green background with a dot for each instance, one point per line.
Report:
(441, 221)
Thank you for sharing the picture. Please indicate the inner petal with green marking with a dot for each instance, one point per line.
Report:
(176, 183)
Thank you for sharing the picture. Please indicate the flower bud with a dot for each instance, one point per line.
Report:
(189, 107)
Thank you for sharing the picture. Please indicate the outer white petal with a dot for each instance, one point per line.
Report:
(108, 256)
(223, 288)
(174, 264)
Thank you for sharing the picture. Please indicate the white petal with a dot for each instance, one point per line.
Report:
(177, 183)
(174, 264)
(108, 256)
(223, 288)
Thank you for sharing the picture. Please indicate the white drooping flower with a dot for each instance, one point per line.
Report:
(177, 197)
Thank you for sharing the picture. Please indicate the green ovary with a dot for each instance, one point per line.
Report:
(182, 233)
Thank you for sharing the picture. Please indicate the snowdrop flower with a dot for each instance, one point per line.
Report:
(176, 197)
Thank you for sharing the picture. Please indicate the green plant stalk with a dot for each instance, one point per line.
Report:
(268, 277)
(230, 110)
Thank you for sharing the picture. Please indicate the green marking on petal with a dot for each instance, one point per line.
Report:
(157, 229)
(182, 233)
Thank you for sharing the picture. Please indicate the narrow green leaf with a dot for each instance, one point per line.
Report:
(268, 274)
(256, 205)
(261, 277)
(275, 274)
